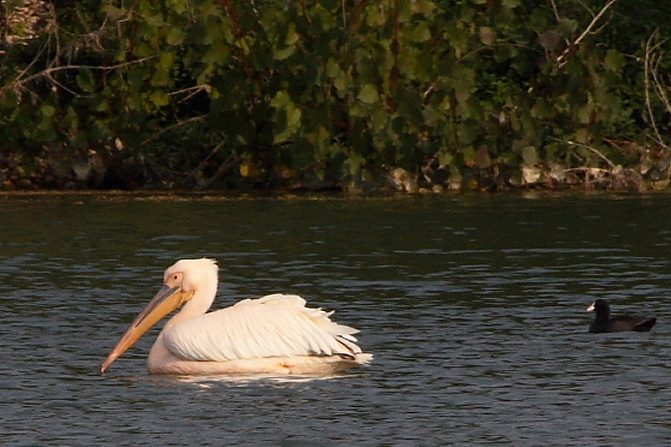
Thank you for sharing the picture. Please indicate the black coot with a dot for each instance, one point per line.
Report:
(604, 323)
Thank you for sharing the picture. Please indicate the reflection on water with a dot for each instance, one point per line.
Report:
(473, 307)
(242, 380)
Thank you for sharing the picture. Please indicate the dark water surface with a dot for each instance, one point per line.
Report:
(474, 307)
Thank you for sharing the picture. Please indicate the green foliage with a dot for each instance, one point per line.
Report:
(196, 94)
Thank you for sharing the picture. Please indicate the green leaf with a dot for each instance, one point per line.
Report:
(468, 154)
(217, 54)
(47, 111)
(292, 36)
(423, 7)
(159, 98)
(284, 53)
(420, 32)
(567, 27)
(100, 104)
(294, 115)
(175, 36)
(86, 81)
(376, 16)
(287, 116)
(511, 3)
(163, 70)
(179, 6)
(542, 109)
(550, 40)
(445, 159)
(487, 35)
(368, 94)
(614, 61)
(281, 99)
(114, 13)
(530, 156)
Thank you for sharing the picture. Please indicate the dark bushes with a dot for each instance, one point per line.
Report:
(220, 94)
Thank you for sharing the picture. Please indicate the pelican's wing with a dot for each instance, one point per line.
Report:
(273, 326)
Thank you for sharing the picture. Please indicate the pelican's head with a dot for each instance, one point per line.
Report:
(180, 283)
(190, 274)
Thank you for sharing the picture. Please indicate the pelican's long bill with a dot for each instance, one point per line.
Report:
(165, 301)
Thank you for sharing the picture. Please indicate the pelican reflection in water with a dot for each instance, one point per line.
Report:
(275, 334)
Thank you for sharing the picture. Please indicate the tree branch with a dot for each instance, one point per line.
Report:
(561, 60)
(193, 119)
(589, 148)
(48, 72)
(650, 65)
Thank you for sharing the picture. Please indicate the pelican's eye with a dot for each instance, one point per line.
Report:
(174, 280)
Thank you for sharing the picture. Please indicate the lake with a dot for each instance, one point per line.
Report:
(473, 305)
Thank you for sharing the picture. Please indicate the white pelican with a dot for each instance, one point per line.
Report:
(275, 334)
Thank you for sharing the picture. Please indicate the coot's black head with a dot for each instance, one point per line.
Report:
(602, 309)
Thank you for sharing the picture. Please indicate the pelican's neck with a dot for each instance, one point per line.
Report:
(199, 304)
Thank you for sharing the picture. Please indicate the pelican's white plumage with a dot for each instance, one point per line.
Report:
(273, 334)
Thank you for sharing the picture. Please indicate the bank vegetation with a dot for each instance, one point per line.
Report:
(416, 95)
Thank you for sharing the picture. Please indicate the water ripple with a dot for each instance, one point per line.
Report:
(480, 336)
